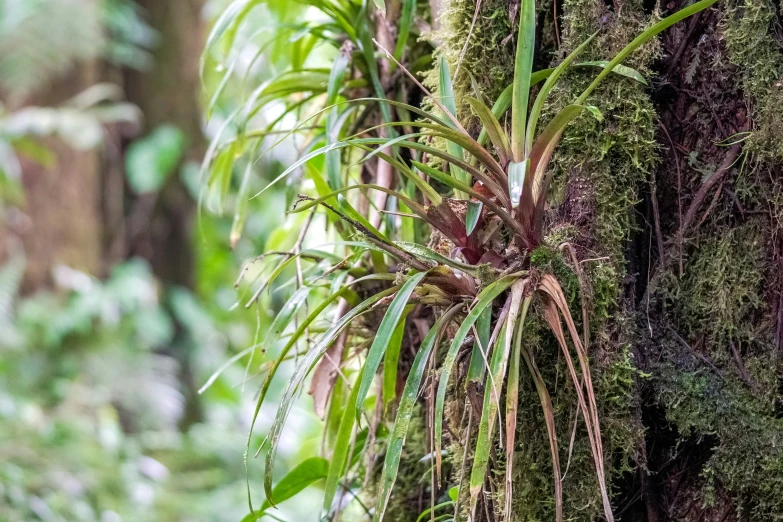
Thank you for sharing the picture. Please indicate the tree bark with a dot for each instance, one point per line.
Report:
(60, 222)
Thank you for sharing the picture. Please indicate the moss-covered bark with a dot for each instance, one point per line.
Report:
(685, 313)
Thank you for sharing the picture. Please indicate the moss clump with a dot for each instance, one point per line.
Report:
(489, 56)
(720, 294)
(724, 383)
(600, 165)
(748, 27)
(533, 498)
(747, 461)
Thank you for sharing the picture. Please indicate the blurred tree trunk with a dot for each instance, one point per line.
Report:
(61, 222)
(169, 93)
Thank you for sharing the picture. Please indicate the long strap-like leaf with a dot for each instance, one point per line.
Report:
(492, 392)
(405, 412)
(523, 70)
(483, 300)
(381, 341)
(300, 374)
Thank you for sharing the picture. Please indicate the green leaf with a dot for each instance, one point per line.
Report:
(305, 474)
(286, 313)
(151, 160)
(472, 215)
(447, 99)
(336, 75)
(535, 188)
(404, 27)
(493, 128)
(342, 445)
(483, 300)
(641, 40)
(503, 103)
(282, 320)
(306, 365)
(381, 6)
(523, 70)
(486, 424)
(430, 254)
(512, 403)
(405, 411)
(426, 515)
(481, 344)
(390, 362)
(492, 393)
(384, 335)
(622, 70)
(240, 212)
(295, 337)
(543, 94)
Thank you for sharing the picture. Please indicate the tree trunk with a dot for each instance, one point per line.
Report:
(60, 223)
(169, 94)
(673, 210)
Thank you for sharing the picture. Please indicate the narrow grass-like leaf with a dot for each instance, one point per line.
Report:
(492, 392)
(336, 75)
(446, 91)
(534, 190)
(430, 254)
(286, 313)
(306, 365)
(491, 124)
(640, 40)
(480, 347)
(622, 70)
(543, 94)
(342, 446)
(306, 473)
(385, 332)
(523, 70)
(483, 300)
(503, 103)
(390, 362)
(486, 424)
(512, 403)
(404, 27)
(405, 412)
(240, 212)
(428, 514)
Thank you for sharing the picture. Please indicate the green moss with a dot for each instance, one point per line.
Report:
(489, 56)
(748, 459)
(720, 297)
(748, 27)
(718, 305)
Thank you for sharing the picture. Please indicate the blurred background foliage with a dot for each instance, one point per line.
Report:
(117, 297)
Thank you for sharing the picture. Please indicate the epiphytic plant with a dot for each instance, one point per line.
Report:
(468, 281)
